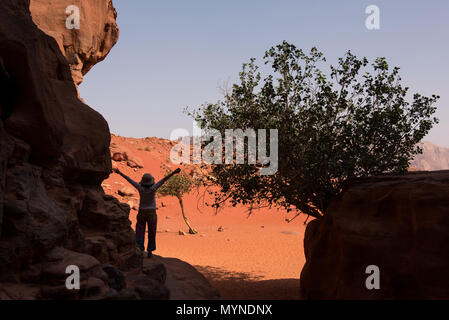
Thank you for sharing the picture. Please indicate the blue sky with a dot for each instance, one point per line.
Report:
(173, 54)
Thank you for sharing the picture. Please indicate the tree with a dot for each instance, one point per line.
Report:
(177, 186)
(356, 121)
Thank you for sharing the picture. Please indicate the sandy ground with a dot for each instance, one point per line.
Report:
(254, 257)
(257, 258)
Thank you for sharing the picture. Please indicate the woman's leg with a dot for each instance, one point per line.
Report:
(140, 230)
(152, 229)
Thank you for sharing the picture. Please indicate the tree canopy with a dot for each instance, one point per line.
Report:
(177, 186)
(357, 120)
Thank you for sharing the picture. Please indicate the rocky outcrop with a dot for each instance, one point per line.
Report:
(434, 157)
(183, 280)
(54, 154)
(122, 154)
(399, 223)
(83, 47)
(42, 108)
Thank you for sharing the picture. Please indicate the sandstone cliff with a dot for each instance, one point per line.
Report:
(434, 157)
(83, 47)
(54, 154)
(398, 223)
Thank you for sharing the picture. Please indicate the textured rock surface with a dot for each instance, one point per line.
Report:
(87, 46)
(398, 223)
(182, 279)
(54, 154)
(45, 111)
(151, 284)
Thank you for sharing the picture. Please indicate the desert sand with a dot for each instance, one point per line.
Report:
(257, 256)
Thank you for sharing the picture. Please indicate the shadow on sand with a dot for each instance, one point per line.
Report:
(244, 286)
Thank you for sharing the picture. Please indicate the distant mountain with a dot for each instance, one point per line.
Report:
(434, 157)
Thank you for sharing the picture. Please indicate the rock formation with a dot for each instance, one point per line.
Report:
(54, 154)
(399, 223)
(83, 47)
(434, 157)
(184, 281)
(119, 154)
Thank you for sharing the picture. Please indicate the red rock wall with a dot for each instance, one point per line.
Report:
(54, 154)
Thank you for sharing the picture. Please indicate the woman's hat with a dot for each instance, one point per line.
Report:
(147, 180)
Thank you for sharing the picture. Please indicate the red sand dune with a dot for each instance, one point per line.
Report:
(256, 257)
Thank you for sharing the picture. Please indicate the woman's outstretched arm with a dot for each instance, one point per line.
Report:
(160, 183)
(131, 181)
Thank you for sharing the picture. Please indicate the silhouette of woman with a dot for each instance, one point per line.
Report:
(147, 208)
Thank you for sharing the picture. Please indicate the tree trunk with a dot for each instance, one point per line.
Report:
(191, 230)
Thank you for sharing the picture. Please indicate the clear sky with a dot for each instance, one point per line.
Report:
(173, 54)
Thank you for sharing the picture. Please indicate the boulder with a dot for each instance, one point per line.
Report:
(155, 270)
(127, 192)
(398, 223)
(123, 154)
(119, 153)
(135, 163)
(150, 289)
(185, 282)
(116, 278)
(54, 155)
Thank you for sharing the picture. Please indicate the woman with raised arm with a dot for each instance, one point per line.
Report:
(147, 208)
